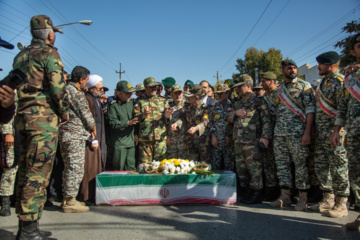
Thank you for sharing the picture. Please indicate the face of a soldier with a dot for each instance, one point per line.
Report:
(123, 96)
(205, 86)
(158, 90)
(168, 90)
(192, 100)
(324, 69)
(186, 88)
(223, 96)
(177, 96)
(265, 83)
(151, 91)
(243, 89)
(140, 93)
(84, 82)
(259, 92)
(289, 71)
(356, 51)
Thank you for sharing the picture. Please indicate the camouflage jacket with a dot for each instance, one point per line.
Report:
(197, 116)
(331, 88)
(179, 118)
(218, 123)
(287, 122)
(270, 98)
(43, 99)
(81, 121)
(348, 114)
(153, 127)
(9, 128)
(255, 124)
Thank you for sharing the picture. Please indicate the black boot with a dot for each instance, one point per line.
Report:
(44, 233)
(242, 194)
(28, 230)
(5, 209)
(271, 193)
(315, 194)
(254, 197)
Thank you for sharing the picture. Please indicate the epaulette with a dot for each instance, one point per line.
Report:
(340, 78)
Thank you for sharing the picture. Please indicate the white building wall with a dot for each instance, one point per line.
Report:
(311, 73)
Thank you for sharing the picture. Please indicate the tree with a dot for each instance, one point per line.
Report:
(264, 61)
(351, 28)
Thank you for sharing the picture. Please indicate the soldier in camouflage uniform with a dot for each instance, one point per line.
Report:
(331, 164)
(268, 82)
(197, 120)
(72, 137)
(168, 83)
(294, 118)
(219, 131)
(153, 114)
(348, 116)
(43, 103)
(251, 130)
(176, 130)
(8, 175)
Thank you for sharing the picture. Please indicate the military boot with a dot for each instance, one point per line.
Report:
(73, 206)
(340, 209)
(5, 209)
(327, 203)
(254, 197)
(28, 230)
(354, 225)
(271, 193)
(284, 199)
(302, 203)
(63, 203)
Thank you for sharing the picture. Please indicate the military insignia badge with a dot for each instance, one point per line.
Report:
(60, 63)
(308, 90)
(346, 92)
(227, 83)
(277, 100)
(328, 84)
(217, 116)
(206, 116)
(128, 85)
(294, 85)
(198, 122)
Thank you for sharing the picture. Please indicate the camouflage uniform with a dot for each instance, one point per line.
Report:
(152, 129)
(289, 129)
(248, 130)
(219, 126)
(176, 149)
(72, 137)
(331, 164)
(268, 155)
(41, 102)
(348, 116)
(8, 175)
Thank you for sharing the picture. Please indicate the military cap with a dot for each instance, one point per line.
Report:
(124, 86)
(6, 44)
(139, 87)
(222, 88)
(268, 75)
(42, 22)
(229, 82)
(328, 57)
(176, 88)
(196, 90)
(150, 82)
(258, 87)
(288, 62)
(189, 83)
(168, 82)
(240, 80)
(355, 40)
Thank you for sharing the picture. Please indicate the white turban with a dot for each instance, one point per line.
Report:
(93, 80)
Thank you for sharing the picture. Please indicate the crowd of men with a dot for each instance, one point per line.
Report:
(278, 137)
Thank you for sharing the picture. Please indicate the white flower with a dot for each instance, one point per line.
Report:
(166, 172)
(172, 169)
(178, 169)
(191, 164)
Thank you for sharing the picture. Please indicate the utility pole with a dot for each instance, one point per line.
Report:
(120, 72)
(217, 78)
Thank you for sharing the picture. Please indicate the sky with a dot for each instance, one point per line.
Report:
(183, 39)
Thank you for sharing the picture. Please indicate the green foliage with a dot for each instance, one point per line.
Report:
(351, 28)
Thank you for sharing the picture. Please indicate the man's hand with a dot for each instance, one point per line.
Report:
(93, 132)
(133, 121)
(168, 141)
(146, 112)
(136, 140)
(306, 139)
(173, 127)
(335, 139)
(265, 141)
(214, 142)
(7, 96)
(240, 112)
(94, 146)
(351, 68)
(9, 140)
(192, 130)
(168, 112)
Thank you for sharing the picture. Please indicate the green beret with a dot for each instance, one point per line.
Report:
(355, 40)
(268, 75)
(229, 82)
(168, 82)
(189, 83)
(288, 62)
(328, 57)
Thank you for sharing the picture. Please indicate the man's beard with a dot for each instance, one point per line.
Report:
(97, 95)
(291, 76)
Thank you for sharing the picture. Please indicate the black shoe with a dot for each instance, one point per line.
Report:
(315, 194)
(254, 197)
(5, 209)
(28, 230)
(242, 194)
(271, 193)
(44, 233)
(49, 203)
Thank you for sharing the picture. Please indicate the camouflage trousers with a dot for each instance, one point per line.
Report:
(353, 151)
(8, 176)
(313, 180)
(249, 164)
(269, 166)
(284, 148)
(176, 148)
(151, 150)
(38, 149)
(73, 153)
(331, 165)
(199, 149)
(220, 156)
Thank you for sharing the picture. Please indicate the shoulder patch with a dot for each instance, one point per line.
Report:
(60, 63)
(308, 90)
(340, 78)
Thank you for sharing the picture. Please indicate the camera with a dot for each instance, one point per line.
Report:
(15, 79)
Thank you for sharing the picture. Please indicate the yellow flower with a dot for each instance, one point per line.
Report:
(176, 162)
(187, 160)
(163, 162)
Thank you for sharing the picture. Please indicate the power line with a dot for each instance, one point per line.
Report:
(247, 36)
(15, 9)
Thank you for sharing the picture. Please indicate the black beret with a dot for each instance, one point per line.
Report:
(288, 62)
(328, 57)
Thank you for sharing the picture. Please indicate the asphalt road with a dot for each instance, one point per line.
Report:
(187, 222)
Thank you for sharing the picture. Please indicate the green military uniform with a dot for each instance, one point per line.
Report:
(152, 129)
(42, 101)
(121, 136)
